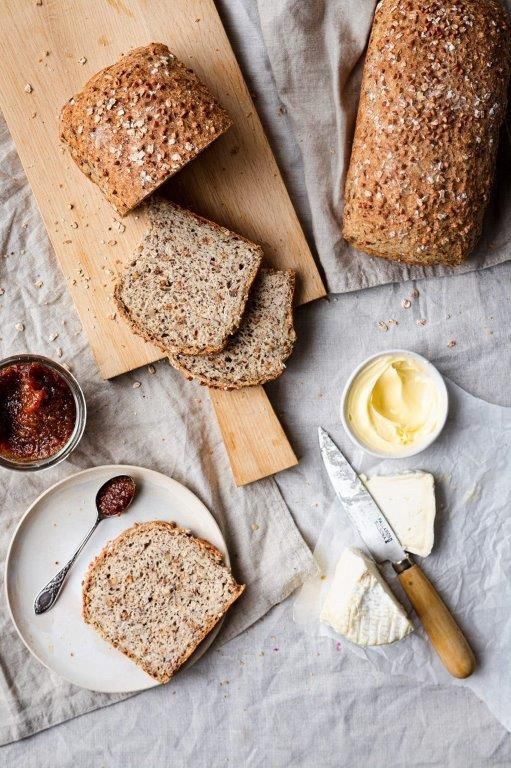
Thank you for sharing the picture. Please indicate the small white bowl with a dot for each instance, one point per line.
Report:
(413, 450)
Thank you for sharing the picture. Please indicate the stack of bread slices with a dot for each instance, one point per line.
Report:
(198, 291)
(193, 288)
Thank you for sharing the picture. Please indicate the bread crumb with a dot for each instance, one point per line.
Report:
(151, 369)
(406, 303)
(20, 327)
(136, 384)
(382, 326)
(451, 343)
(82, 60)
(421, 321)
(59, 352)
(28, 88)
(415, 293)
(53, 337)
(74, 225)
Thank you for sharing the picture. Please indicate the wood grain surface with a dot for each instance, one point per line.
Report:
(51, 50)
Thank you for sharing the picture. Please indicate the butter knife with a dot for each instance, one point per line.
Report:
(446, 637)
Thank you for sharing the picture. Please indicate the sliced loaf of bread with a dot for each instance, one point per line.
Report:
(138, 122)
(155, 592)
(265, 339)
(187, 286)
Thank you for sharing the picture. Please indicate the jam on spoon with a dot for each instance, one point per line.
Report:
(113, 498)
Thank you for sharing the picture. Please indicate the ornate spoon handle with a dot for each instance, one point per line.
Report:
(47, 597)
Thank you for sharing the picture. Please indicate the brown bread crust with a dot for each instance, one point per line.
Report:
(433, 99)
(138, 122)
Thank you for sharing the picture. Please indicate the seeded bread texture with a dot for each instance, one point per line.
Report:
(155, 592)
(433, 99)
(138, 122)
(187, 287)
(258, 351)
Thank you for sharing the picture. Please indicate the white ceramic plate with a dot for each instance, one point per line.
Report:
(45, 539)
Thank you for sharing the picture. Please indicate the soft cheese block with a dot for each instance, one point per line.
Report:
(408, 502)
(360, 605)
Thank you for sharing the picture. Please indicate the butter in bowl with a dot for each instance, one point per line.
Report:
(394, 404)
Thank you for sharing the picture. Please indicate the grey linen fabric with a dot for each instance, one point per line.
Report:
(316, 50)
(165, 424)
(273, 696)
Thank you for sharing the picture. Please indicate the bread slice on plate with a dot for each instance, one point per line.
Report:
(187, 286)
(138, 122)
(258, 351)
(155, 592)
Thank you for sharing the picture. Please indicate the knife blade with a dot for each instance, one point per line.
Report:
(360, 506)
(446, 637)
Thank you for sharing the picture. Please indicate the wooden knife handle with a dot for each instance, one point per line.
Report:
(446, 637)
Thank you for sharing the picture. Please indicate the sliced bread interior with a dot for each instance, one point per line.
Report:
(186, 288)
(265, 339)
(155, 592)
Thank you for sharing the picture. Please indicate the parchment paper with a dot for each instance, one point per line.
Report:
(469, 563)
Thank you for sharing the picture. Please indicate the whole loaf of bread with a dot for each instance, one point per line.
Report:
(433, 99)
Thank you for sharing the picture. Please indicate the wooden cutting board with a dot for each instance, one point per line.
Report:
(50, 48)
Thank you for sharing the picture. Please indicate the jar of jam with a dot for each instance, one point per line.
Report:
(42, 412)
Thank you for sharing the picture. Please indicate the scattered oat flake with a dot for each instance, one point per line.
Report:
(451, 343)
(151, 369)
(82, 60)
(53, 337)
(19, 327)
(28, 88)
(136, 384)
(59, 352)
(112, 242)
(406, 303)
(382, 325)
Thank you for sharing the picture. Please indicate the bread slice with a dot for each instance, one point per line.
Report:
(155, 592)
(187, 286)
(258, 351)
(139, 121)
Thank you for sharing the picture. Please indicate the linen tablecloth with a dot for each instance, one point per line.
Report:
(272, 696)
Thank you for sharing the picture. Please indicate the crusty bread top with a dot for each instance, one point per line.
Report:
(432, 101)
(258, 351)
(139, 121)
(187, 286)
(155, 592)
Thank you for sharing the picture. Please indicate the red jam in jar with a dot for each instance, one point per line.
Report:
(37, 412)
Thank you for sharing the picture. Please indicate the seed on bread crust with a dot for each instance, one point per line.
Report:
(138, 122)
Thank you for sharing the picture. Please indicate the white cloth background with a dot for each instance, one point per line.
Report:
(273, 696)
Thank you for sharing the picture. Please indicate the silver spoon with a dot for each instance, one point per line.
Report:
(113, 498)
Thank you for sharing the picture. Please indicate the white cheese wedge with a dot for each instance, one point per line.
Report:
(361, 606)
(408, 502)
